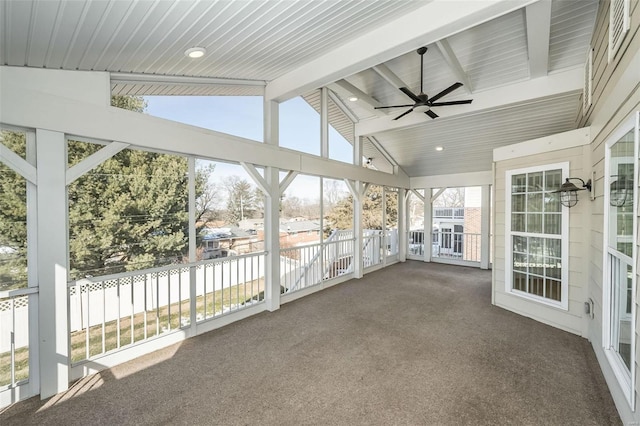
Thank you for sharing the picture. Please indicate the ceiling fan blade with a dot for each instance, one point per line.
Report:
(431, 114)
(466, 101)
(394, 106)
(446, 91)
(404, 113)
(410, 94)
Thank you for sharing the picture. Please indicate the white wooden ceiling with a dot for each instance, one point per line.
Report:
(520, 61)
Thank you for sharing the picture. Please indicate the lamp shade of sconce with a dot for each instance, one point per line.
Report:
(621, 191)
(569, 191)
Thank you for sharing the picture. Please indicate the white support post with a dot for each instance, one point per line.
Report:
(357, 150)
(402, 224)
(324, 122)
(385, 242)
(272, 239)
(272, 211)
(428, 224)
(52, 262)
(485, 227)
(192, 244)
(357, 231)
(32, 271)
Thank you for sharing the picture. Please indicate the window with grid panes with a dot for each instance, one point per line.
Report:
(536, 234)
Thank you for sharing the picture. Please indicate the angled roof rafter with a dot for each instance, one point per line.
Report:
(385, 42)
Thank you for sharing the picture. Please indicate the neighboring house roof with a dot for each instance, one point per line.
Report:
(300, 226)
(224, 233)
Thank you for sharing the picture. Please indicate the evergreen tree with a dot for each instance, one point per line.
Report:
(241, 200)
(341, 216)
(130, 212)
(13, 218)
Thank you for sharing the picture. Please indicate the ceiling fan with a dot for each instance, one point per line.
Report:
(422, 100)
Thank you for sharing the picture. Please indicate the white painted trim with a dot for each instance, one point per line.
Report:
(25, 107)
(17, 164)
(390, 77)
(538, 17)
(458, 179)
(564, 240)
(257, 177)
(432, 21)
(343, 107)
(174, 80)
(94, 160)
(362, 96)
(558, 141)
(566, 83)
(287, 180)
(454, 64)
(626, 379)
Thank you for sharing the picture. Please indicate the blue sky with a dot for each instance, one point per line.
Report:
(242, 116)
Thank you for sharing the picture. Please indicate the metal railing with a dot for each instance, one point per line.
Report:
(111, 312)
(14, 337)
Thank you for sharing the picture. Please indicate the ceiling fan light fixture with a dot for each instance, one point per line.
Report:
(195, 52)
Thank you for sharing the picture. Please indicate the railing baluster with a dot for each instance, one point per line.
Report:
(119, 314)
(145, 307)
(132, 313)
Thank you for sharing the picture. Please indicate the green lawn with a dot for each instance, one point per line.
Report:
(157, 322)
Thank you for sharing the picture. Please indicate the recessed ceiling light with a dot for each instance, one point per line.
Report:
(353, 98)
(195, 52)
(439, 148)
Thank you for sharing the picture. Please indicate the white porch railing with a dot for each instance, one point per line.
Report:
(14, 337)
(372, 248)
(456, 246)
(111, 312)
(309, 265)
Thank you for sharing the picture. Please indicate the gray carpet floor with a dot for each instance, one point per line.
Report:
(413, 344)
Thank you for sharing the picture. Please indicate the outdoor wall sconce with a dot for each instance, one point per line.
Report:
(569, 192)
(621, 191)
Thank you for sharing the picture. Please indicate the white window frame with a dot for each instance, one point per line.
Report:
(564, 240)
(624, 376)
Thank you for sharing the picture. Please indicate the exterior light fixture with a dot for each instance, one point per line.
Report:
(353, 98)
(439, 148)
(569, 192)
(195, 52)
(621, 191)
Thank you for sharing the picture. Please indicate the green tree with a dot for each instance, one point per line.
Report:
(341, 216)
(13, 218)
(128, 213)
(241, 200)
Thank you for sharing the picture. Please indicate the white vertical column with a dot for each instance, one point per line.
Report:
(324, 122)
(402, 224)
(272, 212)
(384, 227)
(272, 239)
(52, 262)
(32, 269)
(191, 164)
(357, 232)
(485, 227)
(428, 225)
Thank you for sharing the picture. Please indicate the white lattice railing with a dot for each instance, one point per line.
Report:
(112, 312)
(14, 336)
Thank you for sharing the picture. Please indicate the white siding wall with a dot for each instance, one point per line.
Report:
(572, 319)
(616, 94)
